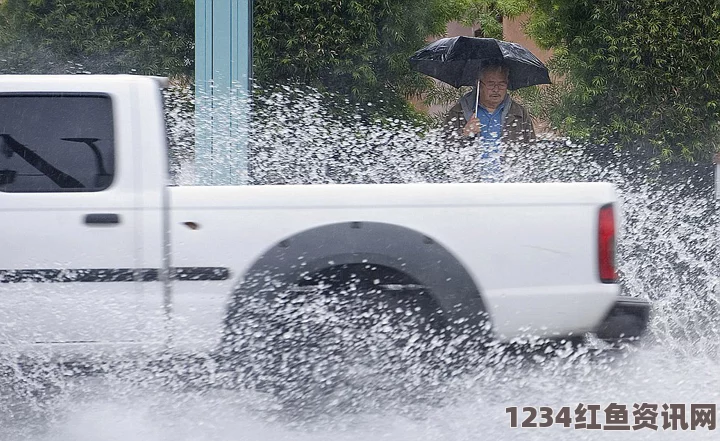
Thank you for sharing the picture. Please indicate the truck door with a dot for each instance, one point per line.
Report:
(68, 222)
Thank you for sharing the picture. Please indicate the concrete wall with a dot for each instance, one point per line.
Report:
(513, 31)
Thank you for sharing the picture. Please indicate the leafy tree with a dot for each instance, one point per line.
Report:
(359, 48)
(356, 49)
(642, 73)
(101, 36)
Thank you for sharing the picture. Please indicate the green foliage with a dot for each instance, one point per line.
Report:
(542, 101)
(358, 48)
(487, 14)
(642, 73)
(102, 36)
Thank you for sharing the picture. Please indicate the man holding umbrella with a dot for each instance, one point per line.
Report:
(489, 111)
(487, 114)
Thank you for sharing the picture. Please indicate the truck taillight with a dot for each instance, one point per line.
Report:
(606, 245)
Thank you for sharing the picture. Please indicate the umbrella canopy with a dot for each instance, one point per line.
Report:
(457, 61)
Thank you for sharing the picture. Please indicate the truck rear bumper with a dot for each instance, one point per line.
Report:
(627, 319)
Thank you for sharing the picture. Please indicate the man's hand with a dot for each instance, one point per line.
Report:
(472, 127)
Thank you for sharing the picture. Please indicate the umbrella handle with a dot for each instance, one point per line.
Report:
(477, 97)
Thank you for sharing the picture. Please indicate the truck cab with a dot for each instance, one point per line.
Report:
(82, 202)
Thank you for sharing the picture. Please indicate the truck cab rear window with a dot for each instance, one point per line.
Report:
(56, 142)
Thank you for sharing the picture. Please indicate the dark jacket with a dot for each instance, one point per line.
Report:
(517, 126)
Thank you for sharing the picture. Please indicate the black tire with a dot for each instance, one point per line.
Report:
(359, 323)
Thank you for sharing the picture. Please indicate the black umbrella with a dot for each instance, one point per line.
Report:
(457, 61)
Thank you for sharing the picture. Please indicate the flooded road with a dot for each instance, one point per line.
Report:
(141, 406)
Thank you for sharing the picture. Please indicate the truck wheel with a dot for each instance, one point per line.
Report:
(371, 302)
(345, 323)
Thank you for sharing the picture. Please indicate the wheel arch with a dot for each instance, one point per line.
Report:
(374, 243)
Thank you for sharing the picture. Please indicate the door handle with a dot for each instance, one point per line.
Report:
(102, 219)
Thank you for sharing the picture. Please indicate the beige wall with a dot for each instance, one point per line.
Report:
(454, 29)
(513, 31)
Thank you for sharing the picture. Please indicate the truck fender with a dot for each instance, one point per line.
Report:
(373, 243)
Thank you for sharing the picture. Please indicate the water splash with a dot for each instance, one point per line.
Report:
(667, 253)
(667, 249)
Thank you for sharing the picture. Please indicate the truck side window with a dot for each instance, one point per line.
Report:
(52, 142)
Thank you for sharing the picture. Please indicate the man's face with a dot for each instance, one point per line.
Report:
(493, 88)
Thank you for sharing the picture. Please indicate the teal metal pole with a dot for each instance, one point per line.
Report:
(223, 63)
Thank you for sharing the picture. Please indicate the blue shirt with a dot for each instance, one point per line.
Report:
(490, 123)
(491, 127)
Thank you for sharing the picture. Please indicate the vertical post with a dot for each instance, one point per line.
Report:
(223, 63)
(716, 161)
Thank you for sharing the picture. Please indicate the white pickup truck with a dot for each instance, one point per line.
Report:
(99, 251)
